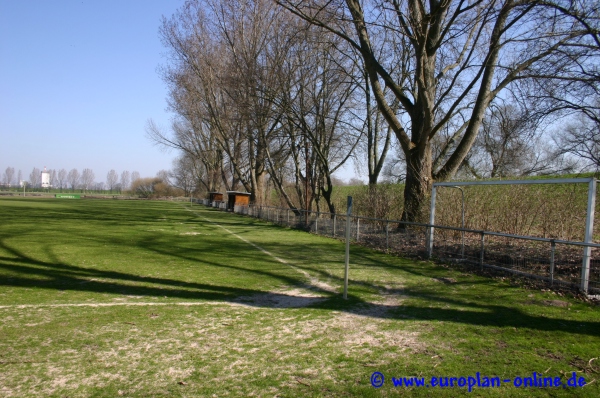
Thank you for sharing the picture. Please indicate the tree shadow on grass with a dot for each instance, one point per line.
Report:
(33, 273)
(424, 303)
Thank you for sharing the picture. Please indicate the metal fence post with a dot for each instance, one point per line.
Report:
(387, 234)
(431, 223)
(334, 220)
(348, 213)
(357, 229)
(589, 231)
(552, 250)
(482, 249)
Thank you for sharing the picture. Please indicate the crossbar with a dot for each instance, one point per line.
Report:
(517, 182)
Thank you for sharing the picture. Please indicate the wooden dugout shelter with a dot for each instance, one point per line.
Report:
(215, 196)
(235, 198)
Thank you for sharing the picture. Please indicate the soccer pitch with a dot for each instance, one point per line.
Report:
(145, 298)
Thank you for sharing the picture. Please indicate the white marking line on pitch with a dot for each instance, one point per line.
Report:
(320, 285)
(185, 304)
(282, 261)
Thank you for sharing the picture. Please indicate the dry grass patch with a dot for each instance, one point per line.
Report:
(205, 348)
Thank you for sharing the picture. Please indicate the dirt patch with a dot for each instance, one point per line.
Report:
(447, 281)
(555, 303)
(294, 298)
(276, 300)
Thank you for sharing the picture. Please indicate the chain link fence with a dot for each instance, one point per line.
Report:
(555, 261)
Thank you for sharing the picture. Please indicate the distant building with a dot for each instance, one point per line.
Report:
(46, 178)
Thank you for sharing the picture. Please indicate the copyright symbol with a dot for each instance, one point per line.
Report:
(377, 379)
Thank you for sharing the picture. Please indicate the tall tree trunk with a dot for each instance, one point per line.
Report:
(327, 193)
(418, 184)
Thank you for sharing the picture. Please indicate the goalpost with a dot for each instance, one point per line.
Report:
(589, 223)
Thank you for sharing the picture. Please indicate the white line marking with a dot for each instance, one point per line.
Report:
(314, 281)
(191, 303)
(321, 285)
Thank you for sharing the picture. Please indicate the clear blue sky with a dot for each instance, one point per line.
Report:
(78, 81)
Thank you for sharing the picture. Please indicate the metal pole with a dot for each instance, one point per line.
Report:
(552, 250)
(589, 230)
(431, 223)
(357, 229)
(334, 220)
(348, 214)
(482, 249)
(387, 234)
(306, 180)
(462, 250)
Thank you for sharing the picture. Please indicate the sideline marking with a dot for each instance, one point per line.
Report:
(321, 285)
(191, 303)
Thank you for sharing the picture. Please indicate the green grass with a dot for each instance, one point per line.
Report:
(140, 298)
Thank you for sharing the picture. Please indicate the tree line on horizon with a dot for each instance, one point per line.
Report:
(73, 179)
(165, 183)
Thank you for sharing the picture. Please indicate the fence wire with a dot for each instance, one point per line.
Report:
(556, 262)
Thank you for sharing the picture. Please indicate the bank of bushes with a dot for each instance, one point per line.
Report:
(549, 210)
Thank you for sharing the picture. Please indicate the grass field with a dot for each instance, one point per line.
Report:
(140, 298)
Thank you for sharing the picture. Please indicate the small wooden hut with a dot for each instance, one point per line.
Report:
(215, 197)
(235, 199)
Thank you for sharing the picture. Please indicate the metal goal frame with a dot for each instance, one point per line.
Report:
(589, 221)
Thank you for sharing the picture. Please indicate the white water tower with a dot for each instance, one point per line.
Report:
(45, 178)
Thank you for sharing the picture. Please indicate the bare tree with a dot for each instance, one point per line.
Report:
(135, 176)
(125, 180)
(459, 57)
(317, 103)
(223, 86)
(62, 178)
(258, 93)
(53, 178)
(144, 187)
(87, 178)
(35, 178)
(508, 142)
(164, 176)
(582, 138)
(379, 135)
(19, 178)
(394, 170)
(9, 175)
(73, 178)
(111, 179)
(186, 174)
